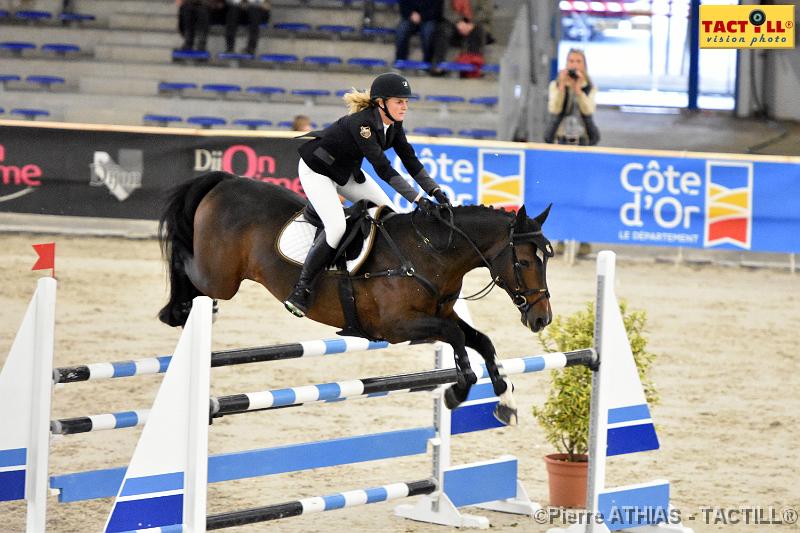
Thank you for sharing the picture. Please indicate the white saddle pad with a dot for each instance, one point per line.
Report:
(297, 236)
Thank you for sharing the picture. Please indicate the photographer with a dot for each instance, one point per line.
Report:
(571, 104)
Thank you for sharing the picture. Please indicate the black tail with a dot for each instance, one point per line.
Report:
(176, 235)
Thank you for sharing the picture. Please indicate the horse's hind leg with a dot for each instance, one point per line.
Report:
(506, 410)
(181, 293)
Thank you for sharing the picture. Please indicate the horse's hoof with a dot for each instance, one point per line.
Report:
(506, 415)
(454, 397)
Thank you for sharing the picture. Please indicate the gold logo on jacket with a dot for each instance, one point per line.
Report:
(366, 132)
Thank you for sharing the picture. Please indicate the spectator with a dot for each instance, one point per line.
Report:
(193, 20)
(301, 123)
(466, 26)
(253, 13)
(571, 104)
(421, 16)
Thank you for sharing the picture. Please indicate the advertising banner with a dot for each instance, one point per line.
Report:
(616, 196)
(629, 197)
(124, 174)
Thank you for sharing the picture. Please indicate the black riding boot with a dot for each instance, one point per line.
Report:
(319, 256)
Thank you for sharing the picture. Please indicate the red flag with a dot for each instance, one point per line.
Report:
(47, 256)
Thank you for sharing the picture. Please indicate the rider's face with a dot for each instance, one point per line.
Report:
(397, 107)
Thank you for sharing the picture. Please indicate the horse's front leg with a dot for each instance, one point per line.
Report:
(433, 328)
(506, 410)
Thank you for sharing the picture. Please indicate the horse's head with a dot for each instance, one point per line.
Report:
(522, 269)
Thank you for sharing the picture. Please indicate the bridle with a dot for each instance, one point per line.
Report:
(521, 291)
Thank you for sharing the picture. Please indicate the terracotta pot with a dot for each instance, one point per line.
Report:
(567, 480)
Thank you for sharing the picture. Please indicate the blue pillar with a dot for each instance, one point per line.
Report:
(694, 54)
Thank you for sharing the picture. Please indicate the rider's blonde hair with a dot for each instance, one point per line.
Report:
(357, 100)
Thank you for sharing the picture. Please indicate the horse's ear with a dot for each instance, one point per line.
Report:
(522, 216)
(541, 217)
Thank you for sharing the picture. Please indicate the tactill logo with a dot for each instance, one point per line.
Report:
(121, 178)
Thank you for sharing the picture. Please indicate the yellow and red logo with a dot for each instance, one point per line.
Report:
(729, 203)
(749, 26)
(502, 178)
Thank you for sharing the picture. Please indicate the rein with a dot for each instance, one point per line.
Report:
(521, 292)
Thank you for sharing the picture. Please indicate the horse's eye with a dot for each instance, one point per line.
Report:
(524, 263)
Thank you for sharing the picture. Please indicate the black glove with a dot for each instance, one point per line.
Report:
(440, 196)
(426, 206)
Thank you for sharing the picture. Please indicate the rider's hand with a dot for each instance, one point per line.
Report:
(440, 196)
(426, 206)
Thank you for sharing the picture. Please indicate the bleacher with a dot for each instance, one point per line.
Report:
(115, 62)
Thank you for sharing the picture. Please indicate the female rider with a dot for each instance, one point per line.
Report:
(330, 164)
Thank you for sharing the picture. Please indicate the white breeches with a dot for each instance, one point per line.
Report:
(323, 193)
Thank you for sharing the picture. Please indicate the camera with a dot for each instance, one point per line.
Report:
(572, 74)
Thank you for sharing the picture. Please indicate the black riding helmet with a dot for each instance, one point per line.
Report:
(387, 86)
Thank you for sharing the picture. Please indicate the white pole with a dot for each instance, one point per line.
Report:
(40, 394)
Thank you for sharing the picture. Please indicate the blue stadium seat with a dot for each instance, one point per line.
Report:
(336, 30)
(234, 56)
(452, 66)
(292, 26)
(3, 13)
(61, 49)
(310, 95)
(488, 101)
(17, 47)
(2, 110)
(478, 133)
(433, 131)
(323, 61)
(367, 62)
(46, 82)
(445, 98)
(278, 58)
(252, 123)
(408, 64)
(161, 120)
(5, 78)
(175, 86)
(205, 121)
(265, 90)
(190, 55)
(221, 89)
(376, 31)
(386, 2)
(76, 17)
(491, 68)
(32, 15)
(29, 113)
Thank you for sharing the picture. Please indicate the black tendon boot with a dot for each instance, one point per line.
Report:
(318, 258)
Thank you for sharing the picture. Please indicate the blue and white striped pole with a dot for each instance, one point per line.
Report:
(320, 504)
(239, 356)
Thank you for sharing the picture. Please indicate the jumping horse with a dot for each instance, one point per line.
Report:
(219, 229)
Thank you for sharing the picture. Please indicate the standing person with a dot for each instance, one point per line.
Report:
(253, 13)
(571, 104)
(330, 164)
(423, 16)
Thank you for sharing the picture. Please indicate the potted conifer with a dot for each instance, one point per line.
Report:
(565, 413)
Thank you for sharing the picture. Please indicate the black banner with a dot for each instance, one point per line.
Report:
(123, 172)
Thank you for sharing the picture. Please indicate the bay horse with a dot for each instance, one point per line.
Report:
(219, 229)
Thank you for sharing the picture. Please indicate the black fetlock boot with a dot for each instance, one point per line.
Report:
(319, 256)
